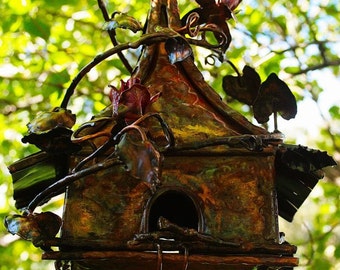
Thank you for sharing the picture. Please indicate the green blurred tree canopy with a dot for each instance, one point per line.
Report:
(44, 45)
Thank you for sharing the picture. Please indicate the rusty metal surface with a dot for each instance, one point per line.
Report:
(230, 188)
(226, 190)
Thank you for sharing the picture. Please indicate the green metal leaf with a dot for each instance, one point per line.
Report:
(34, 173)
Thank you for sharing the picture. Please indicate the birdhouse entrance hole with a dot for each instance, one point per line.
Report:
(175, 205)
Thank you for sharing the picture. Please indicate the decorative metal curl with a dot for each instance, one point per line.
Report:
(203, 42)
(190, 27)
(116, 137)
(211, 58)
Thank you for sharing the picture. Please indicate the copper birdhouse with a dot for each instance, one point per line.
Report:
(167, 176)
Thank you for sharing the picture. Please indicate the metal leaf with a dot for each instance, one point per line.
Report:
(46, 121)
(244, 88)
(274, 96)
(141, 158)
(50, 131)
(298, 170)
(131, 100)
(34, 173)
(55, 141)
(178, 49)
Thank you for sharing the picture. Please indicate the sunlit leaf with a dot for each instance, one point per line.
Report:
(46, 121)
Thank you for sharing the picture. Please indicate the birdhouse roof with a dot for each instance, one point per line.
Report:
(191, 108)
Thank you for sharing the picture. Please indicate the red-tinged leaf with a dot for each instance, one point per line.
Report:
(130, 101)
(274, 96)
(114, 97)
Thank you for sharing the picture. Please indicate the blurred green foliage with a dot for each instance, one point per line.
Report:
(44, 44)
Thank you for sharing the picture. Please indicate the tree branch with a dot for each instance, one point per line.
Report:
(316, 67)
(112, 34)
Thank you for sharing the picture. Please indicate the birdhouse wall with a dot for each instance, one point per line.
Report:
(227, 196)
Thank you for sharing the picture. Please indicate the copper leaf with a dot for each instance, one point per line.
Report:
(243, 88)
(34, 227)
(141, 158)
(274, 96)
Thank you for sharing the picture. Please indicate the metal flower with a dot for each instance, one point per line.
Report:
(131, 100)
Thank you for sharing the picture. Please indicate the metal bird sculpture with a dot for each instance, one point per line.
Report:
(34, 227)
(51, 131)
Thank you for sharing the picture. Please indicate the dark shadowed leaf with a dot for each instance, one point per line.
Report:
(298, 170)
(274, 96)
(244, 88)
(57, 141)
(304, 159)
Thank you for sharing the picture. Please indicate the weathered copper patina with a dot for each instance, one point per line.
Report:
(221, 168)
